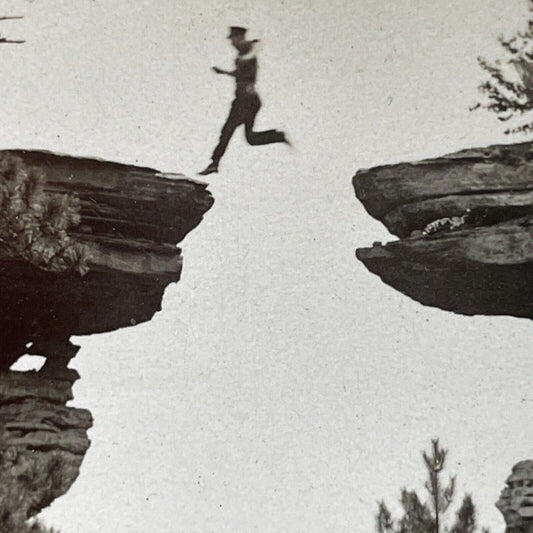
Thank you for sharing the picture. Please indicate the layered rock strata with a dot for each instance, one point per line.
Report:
(465, 228)
(130, 220)
(42, 442)
(516, 499)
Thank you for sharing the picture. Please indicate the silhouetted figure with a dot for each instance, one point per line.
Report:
(246, 104)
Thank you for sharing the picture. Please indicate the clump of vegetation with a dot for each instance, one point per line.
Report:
(34, 223)
(8, 525)
(505, 97)
(427, 517)
(35, 527)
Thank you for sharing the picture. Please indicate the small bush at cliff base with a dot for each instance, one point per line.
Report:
(428, 517)
(35, 527)
(30, 527)
(34, 224)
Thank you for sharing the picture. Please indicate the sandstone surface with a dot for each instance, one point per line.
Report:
(130, 221)
(482, 266)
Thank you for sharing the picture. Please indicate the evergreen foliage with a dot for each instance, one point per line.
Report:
(35, 527)
(427, 517)
(503, 96)
(34, 224)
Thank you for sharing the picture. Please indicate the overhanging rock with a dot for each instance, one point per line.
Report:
(464, 223)
(130, 221)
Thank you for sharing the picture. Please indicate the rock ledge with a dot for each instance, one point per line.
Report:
(483, 266)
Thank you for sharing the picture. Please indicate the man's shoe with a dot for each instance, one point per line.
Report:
(211, 169)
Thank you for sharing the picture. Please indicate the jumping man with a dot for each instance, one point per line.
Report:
(246, 104)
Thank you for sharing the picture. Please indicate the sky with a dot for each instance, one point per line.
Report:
(282, 388)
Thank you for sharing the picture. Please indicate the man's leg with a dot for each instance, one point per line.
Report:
(225, 135)
(229, 127)
(256, 138)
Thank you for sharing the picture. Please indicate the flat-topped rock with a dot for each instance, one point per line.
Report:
(131, 221)
(465, 223)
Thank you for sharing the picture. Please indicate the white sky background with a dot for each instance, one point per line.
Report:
(283, 388)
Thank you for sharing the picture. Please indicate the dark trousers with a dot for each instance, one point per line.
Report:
(244, 109)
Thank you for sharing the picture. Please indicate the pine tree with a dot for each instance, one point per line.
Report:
(465, 521)
(441, 497)
(34, 224)
(505, 97)
(427, 517)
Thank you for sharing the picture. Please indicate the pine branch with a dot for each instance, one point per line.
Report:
(508, 45)
(428, 517)
(524, 128)
(465, 521)
(502, 96)
(384, 523)
(496, 74)
(447, 495)
(4, 40)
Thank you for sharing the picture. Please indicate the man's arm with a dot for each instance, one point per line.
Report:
(222, 71)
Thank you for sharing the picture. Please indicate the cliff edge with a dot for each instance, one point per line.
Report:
(465, 228)
(131, 219)
(86, 246)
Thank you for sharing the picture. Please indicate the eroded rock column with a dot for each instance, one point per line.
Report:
(42, 441)
(516, 499)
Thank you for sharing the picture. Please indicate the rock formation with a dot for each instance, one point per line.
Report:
(131, 219)
(42, 442)
(516, 499)
(464, 223)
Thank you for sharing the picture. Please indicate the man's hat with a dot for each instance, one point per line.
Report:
(235, 31)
